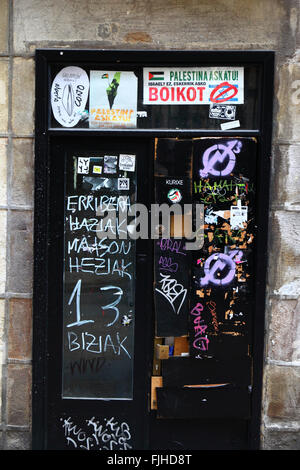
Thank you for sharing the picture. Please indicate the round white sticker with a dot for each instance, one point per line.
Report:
(174, 195)
(69, 94)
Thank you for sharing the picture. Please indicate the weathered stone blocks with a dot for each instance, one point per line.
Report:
(283, 392)
(286, 180)
(21, 252)
(20, 329)
(3, 172)
(22, 172)
(18, 440)
(173, 24)
(18, 394)
(282, 438)
(2, 348)
(4, 27)
(23, 93)
(288, 96)
(284, 327)
(3, 249)
(284, 254)
(3, 95)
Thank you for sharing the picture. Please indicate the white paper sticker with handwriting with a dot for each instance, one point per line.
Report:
(126, 162)
(69, 94)
(238, 216)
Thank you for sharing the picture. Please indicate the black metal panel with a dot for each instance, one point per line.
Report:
(59, 413)
(181, 371)
(199, 434)
(222, 401)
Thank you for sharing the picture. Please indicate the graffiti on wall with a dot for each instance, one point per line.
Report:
(224, 181)
(95, 434)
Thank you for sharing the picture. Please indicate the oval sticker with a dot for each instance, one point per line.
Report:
(69, 94)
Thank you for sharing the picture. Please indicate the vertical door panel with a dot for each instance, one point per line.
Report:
(99, 322)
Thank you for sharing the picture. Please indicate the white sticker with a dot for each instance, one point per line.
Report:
(193, 85)
(127, 162)
(97, 169)
(174, 195)
(83, 166)
(238, 216)
(219, 111)
(142, 114)
(113, 99)
(230, 125)
(123, 184)
(69, 94)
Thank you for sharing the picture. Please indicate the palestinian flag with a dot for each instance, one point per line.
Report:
(156, 76)
(112, 89)
(105, 75)
(174, 195)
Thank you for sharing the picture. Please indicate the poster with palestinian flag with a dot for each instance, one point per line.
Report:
(197, 85)
(113, 99)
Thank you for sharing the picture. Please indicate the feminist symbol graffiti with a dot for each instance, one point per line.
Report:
(220, 268)
(220, 155)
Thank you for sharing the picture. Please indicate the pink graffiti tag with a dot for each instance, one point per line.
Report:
(217, 155)
(220, 264)
(200, 342)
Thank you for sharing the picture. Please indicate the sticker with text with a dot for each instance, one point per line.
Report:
(127, 162)
(97, 169)
(238, 216)
(113, 99)
(69, 94)
(218, 111)
(193, 85)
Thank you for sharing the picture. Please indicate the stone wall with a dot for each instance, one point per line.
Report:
(148, 24)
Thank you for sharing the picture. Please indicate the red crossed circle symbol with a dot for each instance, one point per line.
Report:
(227, 88)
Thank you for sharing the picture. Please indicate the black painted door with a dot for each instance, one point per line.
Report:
(99, 303)
(205, 297)
(150, 346)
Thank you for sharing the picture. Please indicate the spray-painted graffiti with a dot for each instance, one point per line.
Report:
(212, 308)
(217, 155)
(216, 238)
(171, 245)
(224, 172)
(166, 263)
(219, 191)
(220, 268)
(173, 291)
(200, 340)
(108, 434)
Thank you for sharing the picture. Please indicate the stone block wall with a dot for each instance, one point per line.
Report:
(152, 24)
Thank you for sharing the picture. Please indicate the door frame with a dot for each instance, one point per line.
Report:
(44, 136)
